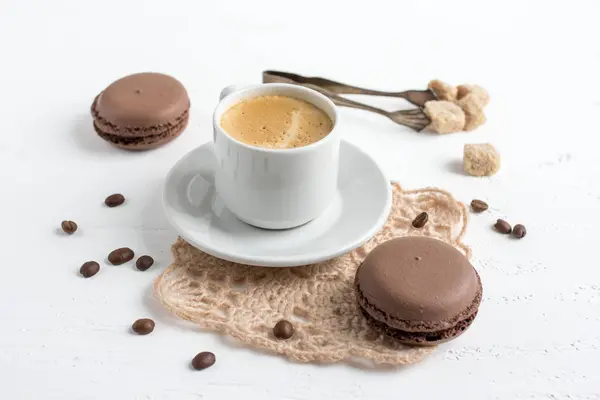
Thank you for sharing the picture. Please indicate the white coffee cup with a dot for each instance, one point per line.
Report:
(276, 188)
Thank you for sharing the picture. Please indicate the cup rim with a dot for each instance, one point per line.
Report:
(295, 150)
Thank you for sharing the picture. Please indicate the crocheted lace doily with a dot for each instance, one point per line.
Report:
(245, 302)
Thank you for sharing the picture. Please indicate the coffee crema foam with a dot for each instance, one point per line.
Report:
(278, 122)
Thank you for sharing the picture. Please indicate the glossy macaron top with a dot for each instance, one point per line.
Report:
(417, 279)
(142, 100)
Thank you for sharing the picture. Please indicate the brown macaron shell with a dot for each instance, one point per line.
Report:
(141, 111)
(419, 290)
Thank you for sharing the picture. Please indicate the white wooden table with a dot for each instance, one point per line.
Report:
(64, 337)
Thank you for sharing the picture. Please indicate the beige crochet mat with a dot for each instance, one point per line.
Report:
(245, 302)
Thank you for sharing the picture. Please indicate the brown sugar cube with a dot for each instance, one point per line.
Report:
(479, 94)
(473, 121)
(445, 116)
(472, 99)
(442, 90)
(470, 105)
(481, 159)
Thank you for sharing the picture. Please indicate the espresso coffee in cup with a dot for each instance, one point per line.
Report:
(276, 122)
(277, 150)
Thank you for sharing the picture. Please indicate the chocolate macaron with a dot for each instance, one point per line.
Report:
(418, 290)
(141, 111)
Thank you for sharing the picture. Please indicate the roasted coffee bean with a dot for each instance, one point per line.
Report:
(478, 206)
(519, 231)
(503, 227)
(144, 262)
(68, 227)
(120, 256)
(283, 329)
(89, 269)
(114, 200)
(421, 220)
(143, 326)
(203, 360)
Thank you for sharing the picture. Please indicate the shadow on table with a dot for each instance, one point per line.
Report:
(456, 167)
(362, 364)
(156, 232)
(84, 136)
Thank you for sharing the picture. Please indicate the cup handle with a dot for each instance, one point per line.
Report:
(230, 89)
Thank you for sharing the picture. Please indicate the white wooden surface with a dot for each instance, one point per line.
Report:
(63, 337)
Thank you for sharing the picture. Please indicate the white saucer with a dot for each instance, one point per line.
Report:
(360, 209)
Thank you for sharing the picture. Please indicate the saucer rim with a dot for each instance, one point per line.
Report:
(279, 262)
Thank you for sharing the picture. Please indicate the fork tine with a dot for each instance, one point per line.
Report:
(415, 119)
(415, 111)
